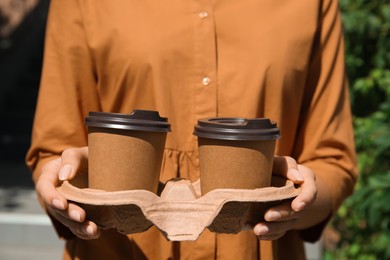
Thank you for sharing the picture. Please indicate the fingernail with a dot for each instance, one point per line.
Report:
(273, 215)
(300, 206)
(58, 204)
(260, 230)
(65, 171)
(88, 230)
(75, 215)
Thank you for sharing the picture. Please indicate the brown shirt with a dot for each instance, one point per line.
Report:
(193, 59)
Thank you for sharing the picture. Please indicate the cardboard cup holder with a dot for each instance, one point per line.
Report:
(178, 210)
(125, 155)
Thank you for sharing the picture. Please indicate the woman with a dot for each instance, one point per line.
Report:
(191, 60)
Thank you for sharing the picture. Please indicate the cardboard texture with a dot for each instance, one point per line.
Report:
(124, 160)
(232, 164)
(180, 213)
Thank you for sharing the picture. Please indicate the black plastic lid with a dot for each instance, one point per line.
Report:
(142, 120)
(237, 129)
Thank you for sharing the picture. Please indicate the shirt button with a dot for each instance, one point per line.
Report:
(206, 81)
(203, 15)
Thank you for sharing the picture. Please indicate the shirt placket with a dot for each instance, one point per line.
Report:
(205, 60)
(204, 80)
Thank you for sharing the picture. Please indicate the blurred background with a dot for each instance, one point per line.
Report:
(361, 229)
(26, 232)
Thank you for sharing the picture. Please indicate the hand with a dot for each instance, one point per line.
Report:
(72, 162)
(288, 215)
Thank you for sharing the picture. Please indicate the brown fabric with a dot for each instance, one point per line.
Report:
(193, 59)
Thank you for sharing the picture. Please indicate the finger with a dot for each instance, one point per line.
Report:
(73, 212)
(281, 212)
(308, 190)
(90, 230)
(84, 230)
(287, 167)
(273, 228)
(73, 160)
(46, 185)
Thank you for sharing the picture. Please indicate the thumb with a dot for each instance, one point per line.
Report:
(287, 167)
(73, 161)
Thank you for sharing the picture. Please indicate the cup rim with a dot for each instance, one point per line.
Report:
(142, 120)
(237, 128)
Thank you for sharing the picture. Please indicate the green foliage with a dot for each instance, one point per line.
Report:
(363, 222)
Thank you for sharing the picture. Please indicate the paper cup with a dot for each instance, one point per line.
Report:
(235, 153)
(125, 151)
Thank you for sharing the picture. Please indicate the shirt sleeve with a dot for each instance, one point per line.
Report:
(325, 142)
(68, 86)
(67, 91)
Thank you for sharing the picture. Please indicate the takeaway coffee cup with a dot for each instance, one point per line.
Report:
(125, 150)
(235, 153)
